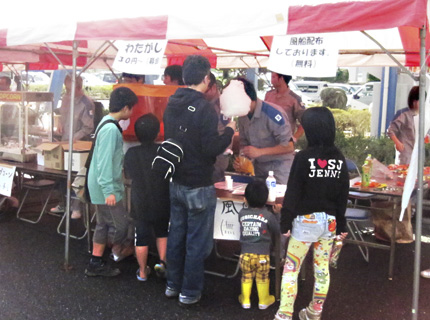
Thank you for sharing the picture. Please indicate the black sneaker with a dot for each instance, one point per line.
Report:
(96, 269)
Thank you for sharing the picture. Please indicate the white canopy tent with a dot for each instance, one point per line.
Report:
(233, 29)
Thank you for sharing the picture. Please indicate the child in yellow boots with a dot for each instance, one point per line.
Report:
(257, 225)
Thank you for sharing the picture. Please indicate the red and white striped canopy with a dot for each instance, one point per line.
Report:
(231, 31)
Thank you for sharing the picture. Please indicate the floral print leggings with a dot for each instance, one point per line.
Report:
(297, 251)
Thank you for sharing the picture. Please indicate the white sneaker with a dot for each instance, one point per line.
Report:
(425, 274)
(58, 209)
(76, 214)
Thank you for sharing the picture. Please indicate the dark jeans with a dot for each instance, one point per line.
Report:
(190, 238)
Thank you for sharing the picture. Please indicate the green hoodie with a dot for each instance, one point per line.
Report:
(105, 175)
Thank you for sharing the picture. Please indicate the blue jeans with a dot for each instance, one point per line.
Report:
(190, 238)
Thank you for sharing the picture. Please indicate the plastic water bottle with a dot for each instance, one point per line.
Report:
(271, 185)
(367, 172)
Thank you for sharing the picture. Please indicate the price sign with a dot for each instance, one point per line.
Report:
(140, 57)
(7, 174)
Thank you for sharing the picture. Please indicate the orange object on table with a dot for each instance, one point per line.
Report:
(244, 165)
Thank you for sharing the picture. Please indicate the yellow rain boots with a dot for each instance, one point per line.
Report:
(264, 298)
(245, 297)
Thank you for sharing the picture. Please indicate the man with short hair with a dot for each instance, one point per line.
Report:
(5, 83)
(132, 78)
(106, 187)
(289, 101)
(190, 119)
(83, 124)
(173, 75)
(265, 137)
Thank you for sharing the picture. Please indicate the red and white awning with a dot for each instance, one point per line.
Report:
(236, 27)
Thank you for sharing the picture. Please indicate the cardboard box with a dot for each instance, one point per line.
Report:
(81, 151)
(50, 155)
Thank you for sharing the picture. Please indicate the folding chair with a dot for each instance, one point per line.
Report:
(35, 185)
(353, 217)
(87, 217)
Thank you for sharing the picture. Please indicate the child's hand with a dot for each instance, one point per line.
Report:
(288, 234)
(343, 235)
(277, 208)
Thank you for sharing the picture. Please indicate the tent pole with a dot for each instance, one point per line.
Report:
(402, 67)
(111, 70)
(69, 171)
(97, 55)
(418, 218)
(54, 55)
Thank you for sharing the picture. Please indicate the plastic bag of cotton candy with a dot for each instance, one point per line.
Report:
(234, 101)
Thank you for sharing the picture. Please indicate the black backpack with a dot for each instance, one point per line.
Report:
(169, 156)
(170, 153)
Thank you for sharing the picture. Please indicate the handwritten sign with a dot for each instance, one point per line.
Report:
(226, 221)
(304, 55)
(140, 57)
(7, 174)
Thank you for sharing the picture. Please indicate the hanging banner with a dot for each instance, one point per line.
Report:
(305, 55)
(140, 57)
(7, 173)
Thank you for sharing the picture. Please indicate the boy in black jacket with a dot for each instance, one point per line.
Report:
(150, 205)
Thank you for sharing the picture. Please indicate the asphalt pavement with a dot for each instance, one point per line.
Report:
(34, 284)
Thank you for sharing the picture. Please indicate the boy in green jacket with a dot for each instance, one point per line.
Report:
(106, 187)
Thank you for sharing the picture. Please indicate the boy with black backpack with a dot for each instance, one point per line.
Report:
(106, 187)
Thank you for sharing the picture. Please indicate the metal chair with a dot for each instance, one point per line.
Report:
(35, 185)
(88, 217)
(354, 216)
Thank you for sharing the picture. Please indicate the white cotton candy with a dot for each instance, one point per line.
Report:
(234, 100)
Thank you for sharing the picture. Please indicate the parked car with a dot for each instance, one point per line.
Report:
(91, 80)
(108, 76)
(344, 86)
(311, 89)
(363, 97)
(35, 77)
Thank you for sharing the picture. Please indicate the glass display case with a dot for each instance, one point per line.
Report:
(26, 120)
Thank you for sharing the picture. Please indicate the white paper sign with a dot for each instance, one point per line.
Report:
(305, 55)
(7, 173)
(140, 57)
(413, 165)
(226, 221)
